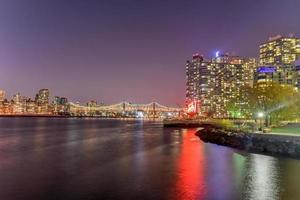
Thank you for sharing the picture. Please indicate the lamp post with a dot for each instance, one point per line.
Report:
(260, 116)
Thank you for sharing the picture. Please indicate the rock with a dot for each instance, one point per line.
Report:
(273, 144)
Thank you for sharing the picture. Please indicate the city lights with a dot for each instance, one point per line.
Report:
(277, 59)
(214, 82)
(60, 106)
(149, 100)
(217, 81)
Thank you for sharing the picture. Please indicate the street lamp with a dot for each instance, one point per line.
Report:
(260, 116)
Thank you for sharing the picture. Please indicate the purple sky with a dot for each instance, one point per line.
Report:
(135, 50)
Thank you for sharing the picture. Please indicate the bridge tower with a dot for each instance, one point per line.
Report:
(124, 106)
(154, 109)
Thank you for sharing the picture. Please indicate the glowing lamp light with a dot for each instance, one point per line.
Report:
(217, 53)
(260, 114)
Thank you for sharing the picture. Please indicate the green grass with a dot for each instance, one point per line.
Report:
(286, 130)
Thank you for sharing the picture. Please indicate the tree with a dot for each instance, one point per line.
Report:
(277, 102)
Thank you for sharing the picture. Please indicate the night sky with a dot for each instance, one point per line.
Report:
(135, 50)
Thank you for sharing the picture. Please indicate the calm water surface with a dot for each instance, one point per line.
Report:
(44, 158)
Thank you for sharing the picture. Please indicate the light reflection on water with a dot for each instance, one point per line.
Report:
(190, 168)
(262, 179)
(111, 159)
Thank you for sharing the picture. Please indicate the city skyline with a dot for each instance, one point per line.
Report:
(43, 105)
(157, 99)
(136, 52)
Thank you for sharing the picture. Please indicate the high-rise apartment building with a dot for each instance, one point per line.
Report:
(198, 85)
(276, 59)
(60, 105)
(19, 103)
(42, 96)
(42, 101)
(230, 74)
(217, 81)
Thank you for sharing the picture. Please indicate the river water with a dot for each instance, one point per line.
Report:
(44, 158)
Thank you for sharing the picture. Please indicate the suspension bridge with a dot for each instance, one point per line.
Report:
(125, 109)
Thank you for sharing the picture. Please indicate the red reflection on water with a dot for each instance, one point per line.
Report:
(190, 180)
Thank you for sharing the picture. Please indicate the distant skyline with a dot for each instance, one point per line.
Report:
(114, 50)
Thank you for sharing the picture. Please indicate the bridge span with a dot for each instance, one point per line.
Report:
(125, 109)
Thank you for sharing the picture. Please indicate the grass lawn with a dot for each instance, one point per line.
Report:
(287, 130)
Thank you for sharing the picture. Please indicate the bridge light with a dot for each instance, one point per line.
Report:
(139, 114)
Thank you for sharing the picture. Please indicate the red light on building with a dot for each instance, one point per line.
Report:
(192, 107)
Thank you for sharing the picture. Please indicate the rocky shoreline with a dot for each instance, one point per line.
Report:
(285, 145)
